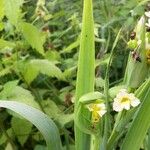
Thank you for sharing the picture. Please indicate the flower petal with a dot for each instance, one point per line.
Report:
(135, 102)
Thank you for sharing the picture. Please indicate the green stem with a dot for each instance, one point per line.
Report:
(95, 142)
(107, 126)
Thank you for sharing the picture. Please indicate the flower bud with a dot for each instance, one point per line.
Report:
(137, 68)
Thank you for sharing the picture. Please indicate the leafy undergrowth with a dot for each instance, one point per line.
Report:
(39, 42)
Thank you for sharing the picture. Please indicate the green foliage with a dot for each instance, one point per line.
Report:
(85, 75)
(34, 67)
(35, 38)
(13, 92)
(6, 44)
(13, 11)
(22, 129)
(39, 50)
(40, 120)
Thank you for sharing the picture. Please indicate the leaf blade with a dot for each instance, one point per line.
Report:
(46, 126)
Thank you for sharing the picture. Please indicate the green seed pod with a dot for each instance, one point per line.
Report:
(132, 44)
(137, 67)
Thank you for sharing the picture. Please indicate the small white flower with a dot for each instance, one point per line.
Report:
(147, 14)
(148, 23)
(98, 110)
(125, 100)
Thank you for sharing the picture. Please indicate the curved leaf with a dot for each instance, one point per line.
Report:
(45, 125)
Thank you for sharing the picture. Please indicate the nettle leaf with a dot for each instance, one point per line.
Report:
(9, 147)
(34, 37)
(13, 91)
(3, 138)
(21, 128)
(13, 11)
(34, 67)
(6, 44)
(1, 9)
(53, 111)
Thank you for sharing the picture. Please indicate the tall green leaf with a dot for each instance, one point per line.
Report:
(46, 126)
(86, 72)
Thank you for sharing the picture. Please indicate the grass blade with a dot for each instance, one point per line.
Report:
(45, 125)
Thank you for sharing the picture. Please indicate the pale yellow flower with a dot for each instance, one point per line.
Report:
(124, 100)
(98, 110)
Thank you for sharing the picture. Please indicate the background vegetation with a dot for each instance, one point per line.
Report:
(39, 51)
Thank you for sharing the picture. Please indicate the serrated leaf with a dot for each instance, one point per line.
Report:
(33, 36)
(4, 44)
(1, 9)
(46, 126)
(12, 91)
(5, 71)
(3, 138)
(9, 147)
(34, 67)
(54, 112)
(13, 11)
(21, 128)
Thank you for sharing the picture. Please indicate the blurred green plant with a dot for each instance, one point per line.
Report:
(39, 42)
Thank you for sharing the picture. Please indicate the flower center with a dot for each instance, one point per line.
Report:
(125, 100)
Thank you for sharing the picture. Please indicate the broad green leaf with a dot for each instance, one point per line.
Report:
(2, 25)
(5, 71)
(3, 138)
(12, 91)
(9, 147)
(36, 66)
(21, 128)
(5, 44)
(2, 13)
(46, 126)
(53, 111)
(33, 36)
(13, 11)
